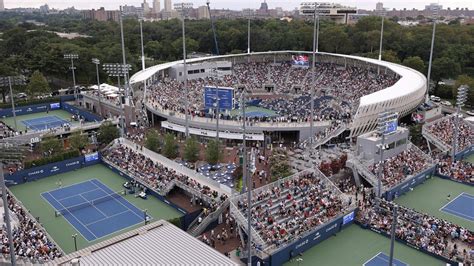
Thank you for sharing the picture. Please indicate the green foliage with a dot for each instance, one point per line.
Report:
(175, 221)
(445, 67)
(30, 102)
(153, 141)
(415, 133)
(415, 62)
(52, 159)
(444, 91)
(191, 150)
(213, 152)
(50, 145)
(238, 178)
(170, 148)
(107, 132)
(78, 140)
(279, 165)
(38, 84)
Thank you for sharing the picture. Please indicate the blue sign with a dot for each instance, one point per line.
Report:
(53, 106)
(91, 157)
(226, 97)
(348, 218)
(391, 126)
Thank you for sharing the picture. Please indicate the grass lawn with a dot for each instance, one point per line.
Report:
(58, 227)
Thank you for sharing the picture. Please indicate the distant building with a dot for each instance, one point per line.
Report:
(168, 6)
(433, 7)
(44, 8)
(156, 6)
(203, 13)
(101, 14)
(146, 7)
(263, 10)
(379, 6)
(335, 12)
(2, 6)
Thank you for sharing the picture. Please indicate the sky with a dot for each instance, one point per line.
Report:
(237, 4)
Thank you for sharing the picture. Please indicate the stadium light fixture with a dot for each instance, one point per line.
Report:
(74, 236)
(73, 68)
(124, 60)
(384, 122)
(11, 81)
(460, 100)
(118, 70)
(97, 63)
(381, 38)
(428, 80)
(183, 9)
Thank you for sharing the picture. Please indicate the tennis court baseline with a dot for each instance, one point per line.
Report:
(382, 259)
(93, 209)
(461, 206)
(45, 122)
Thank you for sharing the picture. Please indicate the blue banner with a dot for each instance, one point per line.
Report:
(91, 157)
(23, 110)
(226, 98)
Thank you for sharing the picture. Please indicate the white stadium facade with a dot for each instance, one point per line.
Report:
(403, 96)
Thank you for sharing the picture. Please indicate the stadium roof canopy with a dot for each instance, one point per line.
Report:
(158, 243)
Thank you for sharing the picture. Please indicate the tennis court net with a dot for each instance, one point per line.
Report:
(90, 203)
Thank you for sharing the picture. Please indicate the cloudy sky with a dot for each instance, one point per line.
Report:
(236, 4)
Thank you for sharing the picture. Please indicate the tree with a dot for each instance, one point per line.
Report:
(191, 150)
(212, 152)
(38, 84)
(170, 148)
(152, 141)
(107, 132)
(78, 141)
(50, 145)
(445, 67)
(415, 62)
(279, 166)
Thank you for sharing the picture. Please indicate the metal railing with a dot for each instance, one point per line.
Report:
(197, 229)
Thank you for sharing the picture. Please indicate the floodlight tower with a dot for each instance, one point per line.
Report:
(435, 18)
(313, 71)
(12, 81)
(97, 63)
(213, 27)
(461, 99)
(183, 9)
(119, 70)
(73, 68)
(384, 121)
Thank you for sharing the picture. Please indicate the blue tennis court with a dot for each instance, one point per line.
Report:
(93, 209)
(382, 259)
(42, 123)
(461, 206)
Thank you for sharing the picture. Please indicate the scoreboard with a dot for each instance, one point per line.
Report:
(225, 97)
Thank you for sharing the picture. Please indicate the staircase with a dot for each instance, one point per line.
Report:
(431, 138)
(196, 229)
(242, 222)
(356, 165)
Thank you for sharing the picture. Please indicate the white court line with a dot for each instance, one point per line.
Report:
(467, 195)
(68, 220)
(460, 215)
(100, 220)
(80, 194)
(105, 215)
(381, 258)
(141, 217)
(376, 255)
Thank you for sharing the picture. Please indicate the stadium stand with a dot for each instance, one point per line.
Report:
(443, 131)
(30, 240)
(426, 232)
(457, 170)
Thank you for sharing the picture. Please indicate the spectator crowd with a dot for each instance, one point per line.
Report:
(426, 232)
(443, 129)
(397, 168)
(29, 239)
(458, 170)
(291, 84)
(281, 211)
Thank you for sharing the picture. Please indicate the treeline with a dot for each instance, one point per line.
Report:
(25, 47)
